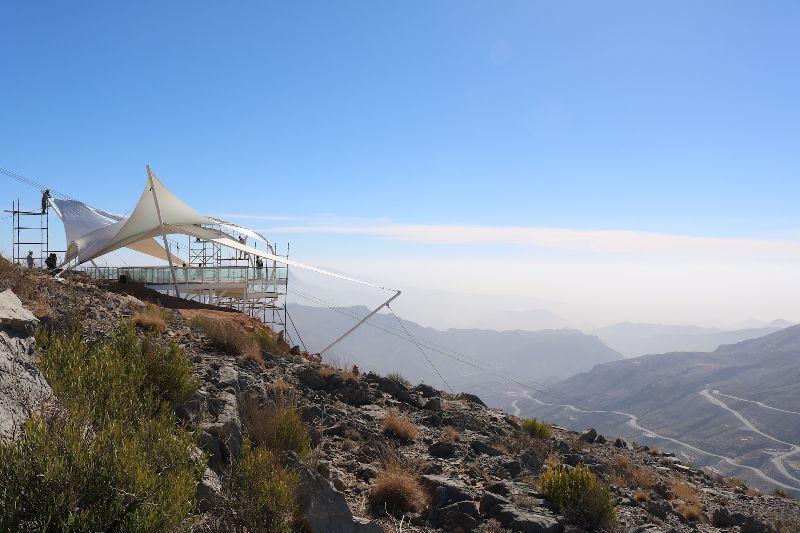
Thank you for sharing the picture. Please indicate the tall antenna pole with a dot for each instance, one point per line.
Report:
(163, 231)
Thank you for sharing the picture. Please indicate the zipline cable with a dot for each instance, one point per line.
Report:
(421, 350)
(289, 316)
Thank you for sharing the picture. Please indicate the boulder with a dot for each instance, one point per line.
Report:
(14, 316)
(322, 508)
(526, 521)
(461, 516)
(589, 435)
(447, 490)
(310, 377)
(434, 404)
(23, 389)
(471, 398)
(490, 500)
(222, 438)
(426, 390)
(209, 491)
(442, 449)
(483, 448)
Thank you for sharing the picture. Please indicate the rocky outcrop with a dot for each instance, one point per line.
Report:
(324, 509)
(23, 389)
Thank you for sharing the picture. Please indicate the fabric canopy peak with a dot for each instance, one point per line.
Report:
(91, 232)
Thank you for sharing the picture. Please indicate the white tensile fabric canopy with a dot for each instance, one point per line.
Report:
(80, 219)
(91, 232)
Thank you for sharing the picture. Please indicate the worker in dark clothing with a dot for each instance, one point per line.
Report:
(51, 261)
(45, 196)
(259, 265)
(29, 259)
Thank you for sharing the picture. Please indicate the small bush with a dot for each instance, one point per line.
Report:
(450, 434)
(780, 493)
(683, 491)
(152, 317)
(112, 457)
(398, 377)
(276, 425)
(536, 429)
(400, 427)
(579, 495)
(261, 492)
(689, 511)
(641, 496)
(228, 335)
(397, 491)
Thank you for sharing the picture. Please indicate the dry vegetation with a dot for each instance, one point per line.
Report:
(631, 476)
(396, 490)
(275, 424)
(450, 434)
(230, 336)
(152, 317)
(400, 427)
(683, 491)
(689, 511)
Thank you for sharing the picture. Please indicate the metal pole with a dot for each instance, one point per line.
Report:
(163, 231)
(351, 330)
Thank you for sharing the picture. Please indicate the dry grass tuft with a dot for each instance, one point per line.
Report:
(642, 478)
(326, 371)
(397, 491)
(152, 317)
(689, 512)
(400, 427)
(683, 491)
(229, 335)
(450, 434)
(398, 377)
(641, 496)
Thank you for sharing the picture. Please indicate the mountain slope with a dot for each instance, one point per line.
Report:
(704, 399)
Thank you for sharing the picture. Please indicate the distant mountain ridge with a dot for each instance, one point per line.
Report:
(636, 339)
(545, 355)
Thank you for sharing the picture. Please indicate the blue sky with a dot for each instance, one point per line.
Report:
(365, 120)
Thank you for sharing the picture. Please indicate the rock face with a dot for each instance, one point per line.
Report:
(324, 509)
(23, 389)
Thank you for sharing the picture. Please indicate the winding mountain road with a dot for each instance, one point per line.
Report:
(633, 422)
(778, 459)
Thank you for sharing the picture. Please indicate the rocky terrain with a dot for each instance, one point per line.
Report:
(469, 468)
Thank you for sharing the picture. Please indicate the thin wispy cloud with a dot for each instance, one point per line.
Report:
(614, 242)
(243, 216)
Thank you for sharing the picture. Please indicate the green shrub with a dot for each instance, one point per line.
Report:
(536, 429)
(111, 456)
(264, 339)
(579, 495)
(276, 424)
(261, 492)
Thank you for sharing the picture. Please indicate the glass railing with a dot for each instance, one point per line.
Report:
(259, 279)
